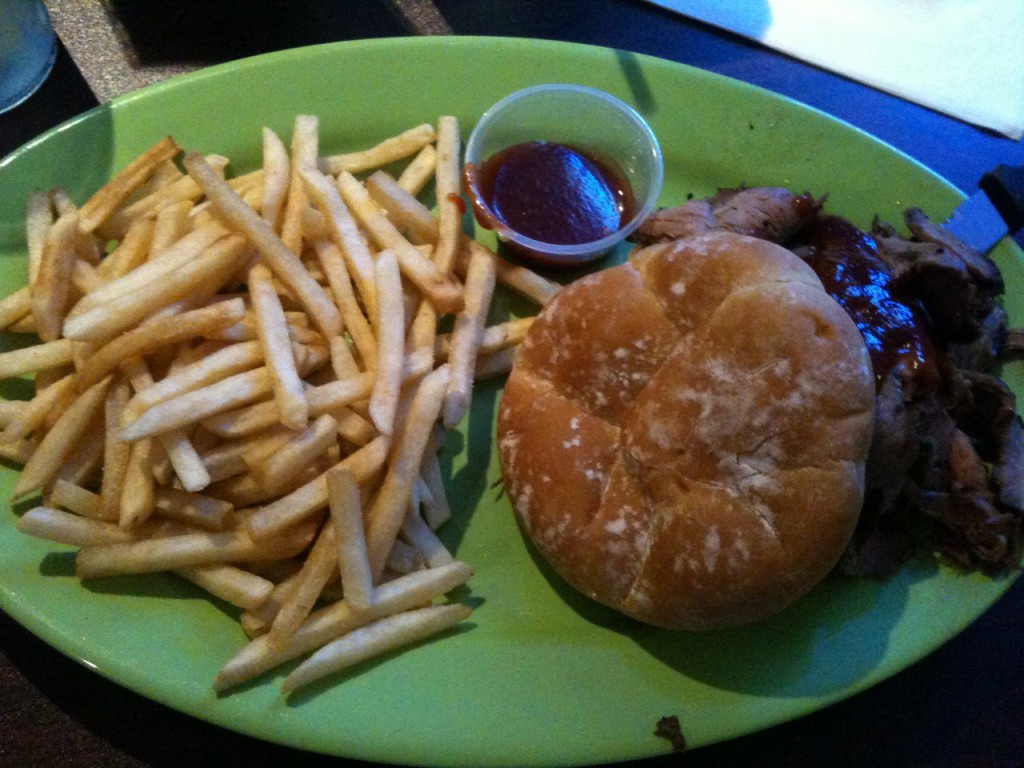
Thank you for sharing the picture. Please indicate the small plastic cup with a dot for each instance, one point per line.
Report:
(28, 49)
(578, 116)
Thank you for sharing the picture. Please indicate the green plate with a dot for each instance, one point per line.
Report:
(538, 676)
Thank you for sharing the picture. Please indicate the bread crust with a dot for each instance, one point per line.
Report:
(683, 436)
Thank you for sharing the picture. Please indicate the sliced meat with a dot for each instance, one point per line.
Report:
(986, 411)
(990, 347)
(769, 213)
(956, 284)
(970, 528)
(879, 551)
(677, 223)
(982, 269)
(1008, 469)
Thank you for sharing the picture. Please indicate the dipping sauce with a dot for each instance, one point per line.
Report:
(550, 192)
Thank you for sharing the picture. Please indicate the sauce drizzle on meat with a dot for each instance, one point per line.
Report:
(846, 261)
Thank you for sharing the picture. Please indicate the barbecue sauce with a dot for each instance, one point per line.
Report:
(846, 261)
(554, 193)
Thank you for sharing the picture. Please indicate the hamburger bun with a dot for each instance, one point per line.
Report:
(683, 436)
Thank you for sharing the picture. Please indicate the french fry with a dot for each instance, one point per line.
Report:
(229, 583)
(320, 565)
(246, 491)
(62, 202)
(181, 187)
(298, 452)
(197, 404)
(176, 444)
(188, 549)
(403, 558)
(78, 500)
(138, 496)
(436, 509)
(408, 213)
(305, 149)
(233, 457)
(84, 461)
(344, 232)
(32, 417)
(346, 509)
(385, 515)
(520, 279)
(358, 327)
(116, 452)
(170, 225)
(337, 394)
(18, 452)
(336, 620)
(98, 208)
(26, 324)
(390, 322)
(218, 365)
(398, 147)
(311, 497)
(277, 350)
(447, 183)
(416, 531)
(158, 332)
(41, 357)
(443, 292)
(131, 252)
(286, 265)
(10, 409)
(256, 621)
(165, 173)
(193, 509)
(260, 416)
(352, 427)
(494, 364)
(39, 217)
(468, 334)
(209, 269)
(86, 277)
(416, 174)
(66, 528)
(343, 362)
(14, 307)
(378, 638)
(61, 439)
(52, 286)
(276, 173)
(495, 338)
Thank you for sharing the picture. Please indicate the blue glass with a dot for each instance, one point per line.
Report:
(28, 48)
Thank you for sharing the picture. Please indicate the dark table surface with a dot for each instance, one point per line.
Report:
(962, 706)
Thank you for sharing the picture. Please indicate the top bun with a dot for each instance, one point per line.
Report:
(683, 437)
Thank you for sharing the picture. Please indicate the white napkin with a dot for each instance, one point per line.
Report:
(964, 58)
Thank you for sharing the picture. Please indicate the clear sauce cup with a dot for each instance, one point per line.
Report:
(602, 125)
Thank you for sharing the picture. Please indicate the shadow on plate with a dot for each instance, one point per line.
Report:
(465, 459)
(825, 642)
(160, 585)
(329, 683)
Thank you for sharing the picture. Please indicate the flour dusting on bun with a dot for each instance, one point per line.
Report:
(683, 436)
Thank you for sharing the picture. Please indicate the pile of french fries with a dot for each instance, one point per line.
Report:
(244, 380)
